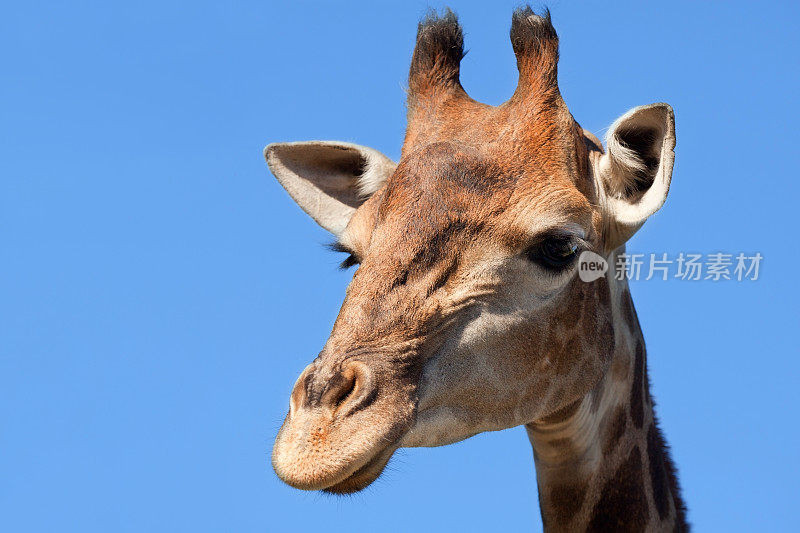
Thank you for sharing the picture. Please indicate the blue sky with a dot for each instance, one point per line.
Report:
(160, 293)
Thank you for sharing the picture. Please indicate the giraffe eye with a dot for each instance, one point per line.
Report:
(554, 252)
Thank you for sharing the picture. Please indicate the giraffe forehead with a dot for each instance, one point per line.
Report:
(489, 186)
(449, 173)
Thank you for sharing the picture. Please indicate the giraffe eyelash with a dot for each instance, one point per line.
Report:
(351, 259)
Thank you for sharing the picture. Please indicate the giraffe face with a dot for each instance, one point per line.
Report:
(465, 313)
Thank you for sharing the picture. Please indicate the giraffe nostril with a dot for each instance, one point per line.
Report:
(348, 390)
(344, 390)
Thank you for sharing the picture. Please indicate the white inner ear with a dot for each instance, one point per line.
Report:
(377, 169)
(328, 180)
(637, 166)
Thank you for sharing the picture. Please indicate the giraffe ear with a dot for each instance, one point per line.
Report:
(328, 179)
(635, 172)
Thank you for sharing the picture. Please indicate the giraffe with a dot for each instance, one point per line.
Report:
(466, 313)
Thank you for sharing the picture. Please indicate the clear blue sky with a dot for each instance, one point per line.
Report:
(160, 293)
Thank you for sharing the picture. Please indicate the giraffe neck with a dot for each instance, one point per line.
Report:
(602, 464)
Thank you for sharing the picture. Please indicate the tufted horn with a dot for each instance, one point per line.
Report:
(436, 62)
(535, 44)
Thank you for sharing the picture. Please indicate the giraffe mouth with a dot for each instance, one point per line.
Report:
(321, 471)
(364, 476)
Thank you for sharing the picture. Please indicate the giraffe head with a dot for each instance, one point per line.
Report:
(465, 313)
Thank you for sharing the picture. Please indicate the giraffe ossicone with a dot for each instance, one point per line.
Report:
(470, 310)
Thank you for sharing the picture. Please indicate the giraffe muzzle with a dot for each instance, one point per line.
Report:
(341, 429)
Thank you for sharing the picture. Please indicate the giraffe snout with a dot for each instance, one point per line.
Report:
(341, 430)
